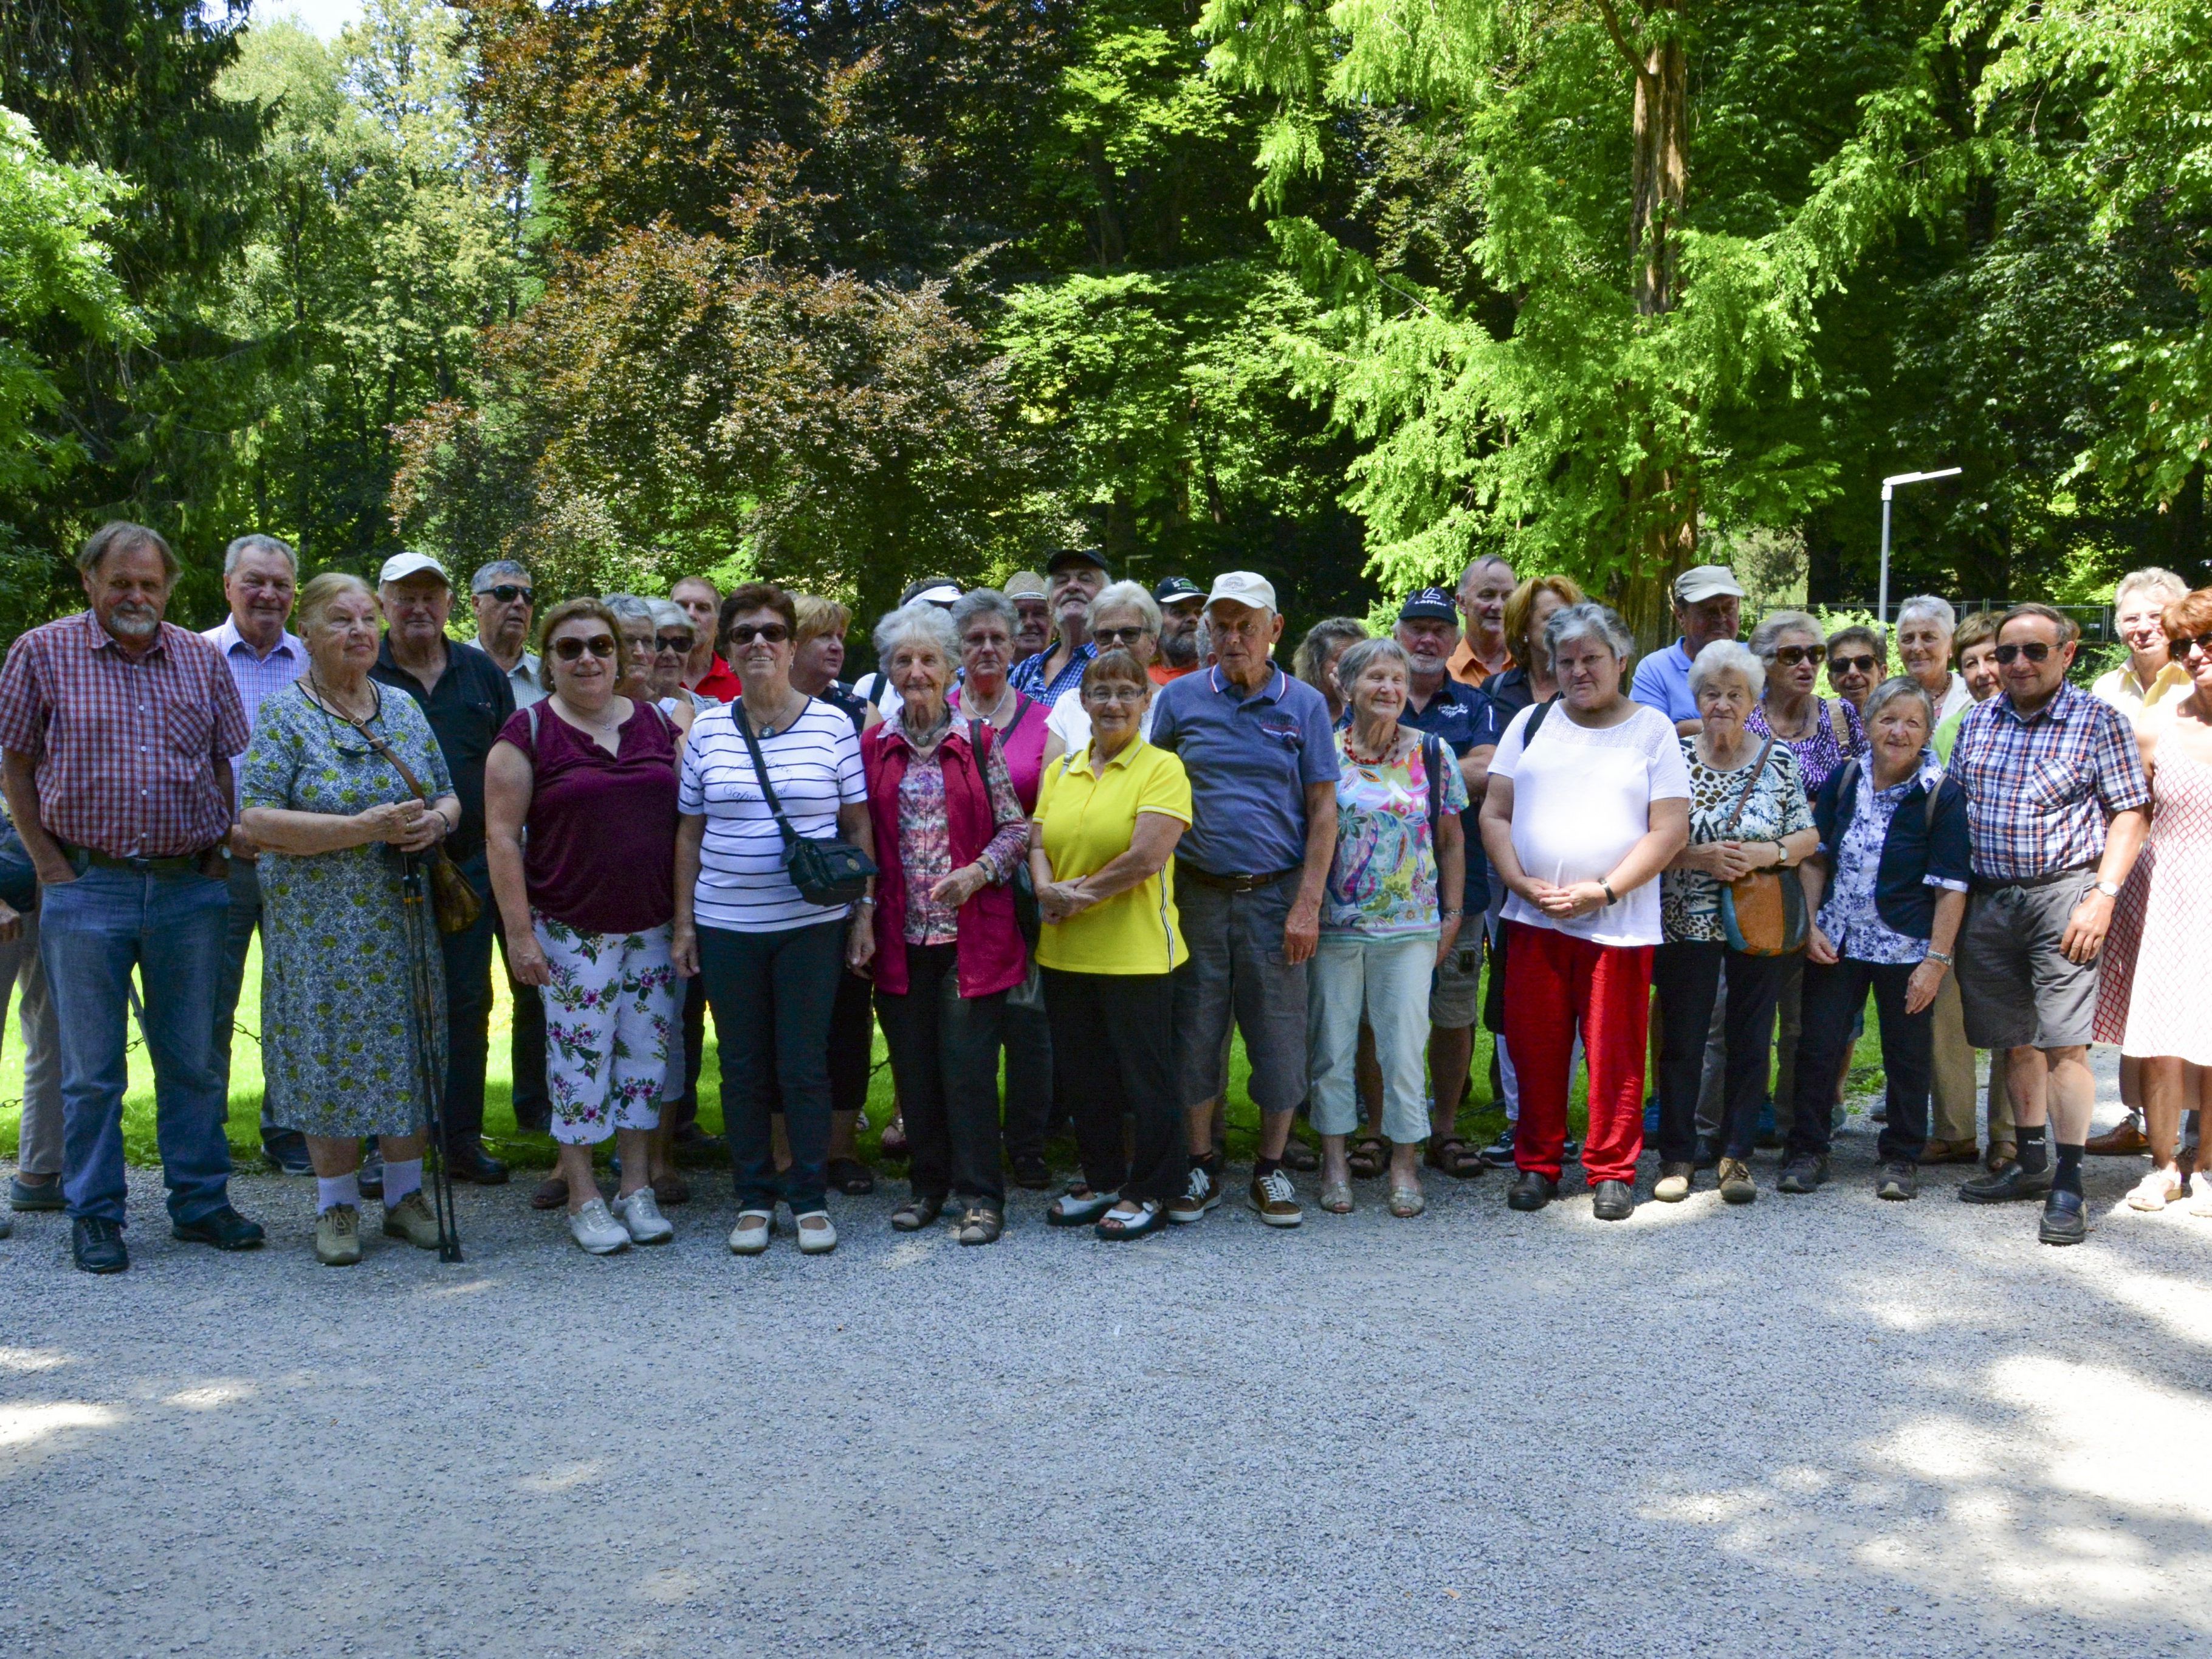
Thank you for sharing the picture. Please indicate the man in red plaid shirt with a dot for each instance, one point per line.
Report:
(2058, 805)
(118, 729)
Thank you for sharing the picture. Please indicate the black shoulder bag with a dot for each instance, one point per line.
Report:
(826, 872)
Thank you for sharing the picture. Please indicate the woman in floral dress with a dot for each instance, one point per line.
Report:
(339, 1033)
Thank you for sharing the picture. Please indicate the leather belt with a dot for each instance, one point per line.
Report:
(182, 864)
(2049, 878)
(1232, 884)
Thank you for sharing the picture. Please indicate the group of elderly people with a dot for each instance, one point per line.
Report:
(1084, 829)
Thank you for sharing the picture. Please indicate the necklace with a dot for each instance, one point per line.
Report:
(598, 728)
(1358, 759)
(1007, 695)
(777, 722)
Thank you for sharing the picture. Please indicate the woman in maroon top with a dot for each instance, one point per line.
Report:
(589, 900)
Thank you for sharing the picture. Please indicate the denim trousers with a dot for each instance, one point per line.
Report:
(22, 973)
(1387, 980)
(468, 1013)
(93, 932)
(772, 994)
(944, 1058)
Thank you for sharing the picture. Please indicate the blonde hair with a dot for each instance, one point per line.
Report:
(817, 617)
(317, 597)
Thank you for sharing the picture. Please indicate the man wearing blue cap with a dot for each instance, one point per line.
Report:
(1467, 719)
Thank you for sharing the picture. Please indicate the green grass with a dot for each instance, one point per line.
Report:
(1479, 1123)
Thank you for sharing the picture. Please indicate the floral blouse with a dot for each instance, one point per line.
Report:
(1690, 899)
(925, 838)
(1848, 916)
(1382, 882)
(1820, 754)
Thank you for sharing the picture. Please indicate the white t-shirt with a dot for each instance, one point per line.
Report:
(1070, 721)
(815, 765)
(1582, 798)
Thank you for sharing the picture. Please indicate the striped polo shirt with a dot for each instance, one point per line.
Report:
(814, 765)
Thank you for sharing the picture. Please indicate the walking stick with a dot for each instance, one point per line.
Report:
(421, 936)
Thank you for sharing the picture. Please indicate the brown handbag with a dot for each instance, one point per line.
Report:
(452, 900)
(1762, 911)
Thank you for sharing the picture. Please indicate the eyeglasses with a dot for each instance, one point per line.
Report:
(746, 633)
(570, 648)
(1852, 665)
(673, 642)
(1116, 691)
(1791, 654)
(2034, 650)
(1112, 637)
(506, 593)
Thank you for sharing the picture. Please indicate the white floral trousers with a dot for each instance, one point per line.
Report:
(610, 1020)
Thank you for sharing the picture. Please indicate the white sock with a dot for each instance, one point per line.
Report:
(336, 1190)
(401, 1179)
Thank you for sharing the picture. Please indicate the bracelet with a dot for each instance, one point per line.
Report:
(1450, 915)
(1610, 898)
(1939, 957)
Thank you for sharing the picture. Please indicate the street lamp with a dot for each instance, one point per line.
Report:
(1888, 488)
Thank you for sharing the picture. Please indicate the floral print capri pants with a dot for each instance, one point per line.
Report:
(611, 1016)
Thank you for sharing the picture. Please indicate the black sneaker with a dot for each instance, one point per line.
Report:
(1498, 1155)
(2005, 1183)
(1031, 1171)
(1803, 1174)
(286, 1153)
(98, 1246)
(1707, 1152)
(1571, 1153)
(468, 1161)
(36, 1194)
(1898, 1181)
(225, 1229)
(1531, 1192)
(1612, 1201)
(2064, 1221)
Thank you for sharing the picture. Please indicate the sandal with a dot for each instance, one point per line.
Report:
(918, 1211)
(1299, 1155)
(1369, 1157)
(981, 1224)
(552, 1194)
(1336, 1197)
(672, 1188)
(1406, 1202)
(1455, 1157)
(850, 1176)
(894, 1141)
(1122, 1221)
(2155, 1191)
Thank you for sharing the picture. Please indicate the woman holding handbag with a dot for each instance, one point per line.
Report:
(1894, 863)
(319, 790)
(1728, 905)
(775, 891)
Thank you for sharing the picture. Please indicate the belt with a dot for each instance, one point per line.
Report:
(2048, 878)
(184, 864)
(1232, 884)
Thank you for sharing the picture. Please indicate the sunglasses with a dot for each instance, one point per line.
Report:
(2201, 642)
(570, 648)
(506, 593)
(746, 633)
(673, 642)
(1853, 664)
(1797, 653)
(2034, 650)
(1113, 636)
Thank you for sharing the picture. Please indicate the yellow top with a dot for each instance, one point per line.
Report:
(2120, 687)
(1088, 821)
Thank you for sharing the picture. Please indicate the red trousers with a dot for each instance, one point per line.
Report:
(1554, 983)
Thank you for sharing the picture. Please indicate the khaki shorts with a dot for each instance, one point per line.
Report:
(1455, 992)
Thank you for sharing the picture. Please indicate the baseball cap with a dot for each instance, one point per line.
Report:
(1177, 588)
(1703, 581)
(1430, 603)
(400, 566)
(1068, 555)
(1025, 584)
(1244, 588)
(931, 590)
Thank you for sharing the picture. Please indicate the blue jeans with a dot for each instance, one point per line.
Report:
(245, 916)
(91, 933)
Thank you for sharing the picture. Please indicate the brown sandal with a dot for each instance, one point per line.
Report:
(552, 1194)
(1455, 1158)
(1368, 1156)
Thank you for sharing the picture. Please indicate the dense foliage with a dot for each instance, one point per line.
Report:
(863, 289)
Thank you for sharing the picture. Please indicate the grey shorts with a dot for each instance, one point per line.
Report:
(1236, 971)
(2016, 990)
(1456, 994)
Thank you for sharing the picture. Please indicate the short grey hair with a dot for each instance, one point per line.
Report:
(1727, 657)
(1360, 654)
(1903, 685)
(493, 572)
(918, 621)
(983, 602)
(1125, 596)
(1587, 619)
(255, 542)
(1936, 610)
(121, 536)
(1766, 638)
(628, 607)
(666, 613)
(2155, 578)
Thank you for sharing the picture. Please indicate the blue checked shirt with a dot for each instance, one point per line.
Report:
(2040, 791)
(1029, 679)
(256, 677)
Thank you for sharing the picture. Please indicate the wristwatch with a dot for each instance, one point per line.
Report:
(1939, 957)
(1610, 897)
(2108, 889)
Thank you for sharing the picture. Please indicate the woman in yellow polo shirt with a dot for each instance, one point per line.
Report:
(1102, 852)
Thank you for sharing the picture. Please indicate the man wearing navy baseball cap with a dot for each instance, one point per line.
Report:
(1181, 603)
(1471, 722)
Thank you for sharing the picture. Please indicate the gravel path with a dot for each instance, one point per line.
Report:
(1815, 1425)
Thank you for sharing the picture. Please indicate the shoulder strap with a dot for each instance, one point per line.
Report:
(1535, 719)
(760, 770)
(384, 749)
(1933, 789)
(1432, 763)
(532, 712)
(1840, 724)
(1758, 770)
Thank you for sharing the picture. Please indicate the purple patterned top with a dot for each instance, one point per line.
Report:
(1820, 754)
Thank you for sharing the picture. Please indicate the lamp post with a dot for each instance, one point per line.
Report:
(1888, 488)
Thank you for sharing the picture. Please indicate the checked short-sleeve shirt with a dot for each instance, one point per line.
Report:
(2041, 790)
(126, 747)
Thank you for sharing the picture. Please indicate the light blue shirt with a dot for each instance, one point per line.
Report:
(257, 676)
(1662, 682)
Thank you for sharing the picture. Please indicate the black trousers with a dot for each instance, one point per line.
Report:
(772, 994)
(1833, 997)
(945, 1057)
(526, 1048)
(1686, 975)
(1113, 1052)
(1030, 1117)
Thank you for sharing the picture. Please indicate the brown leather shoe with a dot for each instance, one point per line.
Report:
(1951, 1151)
(2126, 1139)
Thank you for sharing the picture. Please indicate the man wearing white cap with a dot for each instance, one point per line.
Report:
(467, 697)
(1708, 606)
(1260, 755)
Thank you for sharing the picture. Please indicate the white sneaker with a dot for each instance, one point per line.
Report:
(596, 1230)
(642, 1219)
(749, 1236)
(819, 1239)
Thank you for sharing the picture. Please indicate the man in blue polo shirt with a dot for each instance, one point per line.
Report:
(1708, 606)
(1468, 721)
(1249, 872)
